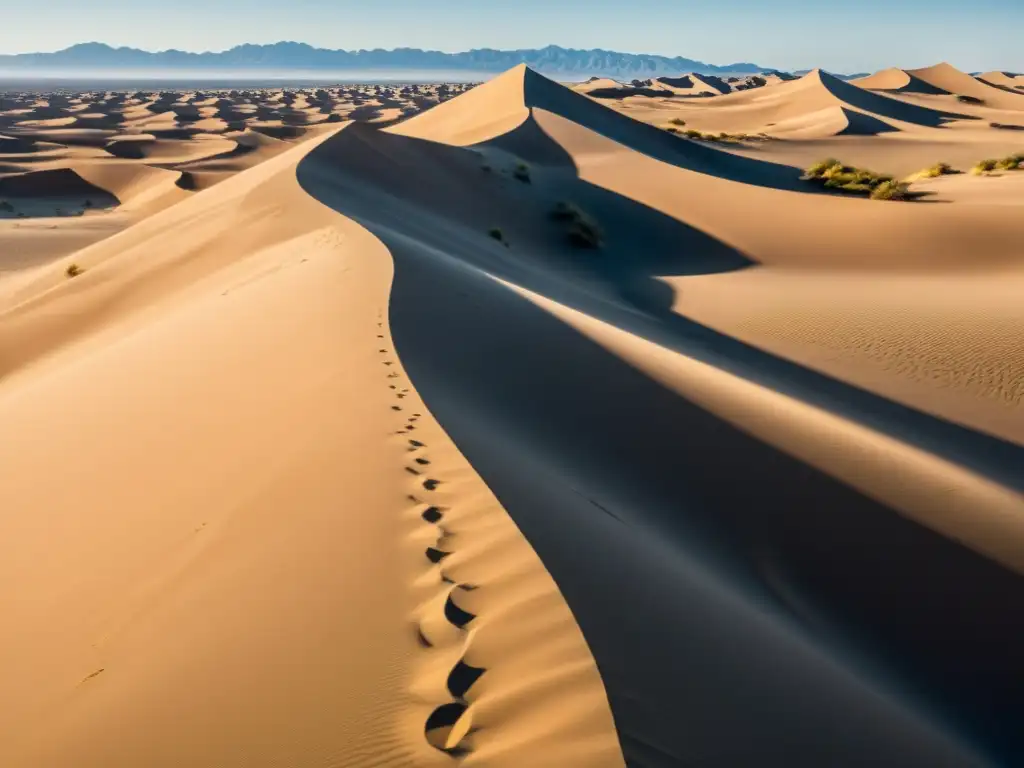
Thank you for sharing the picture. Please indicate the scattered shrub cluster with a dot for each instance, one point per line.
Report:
(73, 270)
(1009, 163)
(832, 174)
(723, 138)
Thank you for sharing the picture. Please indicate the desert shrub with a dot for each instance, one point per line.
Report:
(818, 170)
(73, 270)
(496, 234)
(932, 172)
(969, 99)
(890, 190)
(692, 134)
(984, 166)
(835, 175)
(1007, 126)
(672, 129)
(1008, 163)
(522, 173)
(939, 169)
(678, 121)
(583, 232)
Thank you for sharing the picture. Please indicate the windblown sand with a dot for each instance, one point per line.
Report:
(518, 432)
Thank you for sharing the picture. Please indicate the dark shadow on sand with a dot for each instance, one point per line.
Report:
(743, 607)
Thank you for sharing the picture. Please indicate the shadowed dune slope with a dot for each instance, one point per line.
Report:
(796, 615)
(899, 80)
(491, 111)
(951, 80)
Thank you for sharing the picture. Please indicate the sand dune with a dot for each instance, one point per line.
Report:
(951, 80)
(900, 80)
(516, 433)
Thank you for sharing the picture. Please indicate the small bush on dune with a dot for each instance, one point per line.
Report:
(496, 234)
(984, 166)
(1008, 163)
(73, 270)
(672, 129)
(692, 134)
(890, 190)
(933, 172)
(835, 175)
(522, 173)
(583, 232)
(969, 99)
(677, 121)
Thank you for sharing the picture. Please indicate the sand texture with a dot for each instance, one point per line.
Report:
(512, 426)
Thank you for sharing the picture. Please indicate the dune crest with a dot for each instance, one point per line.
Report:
(520, 432)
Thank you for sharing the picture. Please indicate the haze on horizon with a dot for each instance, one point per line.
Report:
(787, 34)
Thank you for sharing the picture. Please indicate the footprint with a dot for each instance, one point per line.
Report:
(456, 615)
(436, 555)
(432, 514)
(462, 677)
(448, 726)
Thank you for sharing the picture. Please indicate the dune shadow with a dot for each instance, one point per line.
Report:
(541, 93)
(731, 594)
(885, 106)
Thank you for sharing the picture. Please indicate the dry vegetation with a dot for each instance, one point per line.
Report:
(835, 175)
(1009, 163)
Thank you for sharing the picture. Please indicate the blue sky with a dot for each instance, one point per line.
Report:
(840, 35)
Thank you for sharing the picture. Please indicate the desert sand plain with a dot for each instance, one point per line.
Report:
(528, 425)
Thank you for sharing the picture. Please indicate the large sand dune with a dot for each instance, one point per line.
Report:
(518, 433)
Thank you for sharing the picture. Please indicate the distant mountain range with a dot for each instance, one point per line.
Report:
(292, 57)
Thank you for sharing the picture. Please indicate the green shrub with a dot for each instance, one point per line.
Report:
(890, 190)
(1010, 162)
(73, 270)
(692, 134)
(818, 170)
(496, 234)
(835, 175)
(677, 121)
(984, 167)
(939, 169)
(522, 173)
